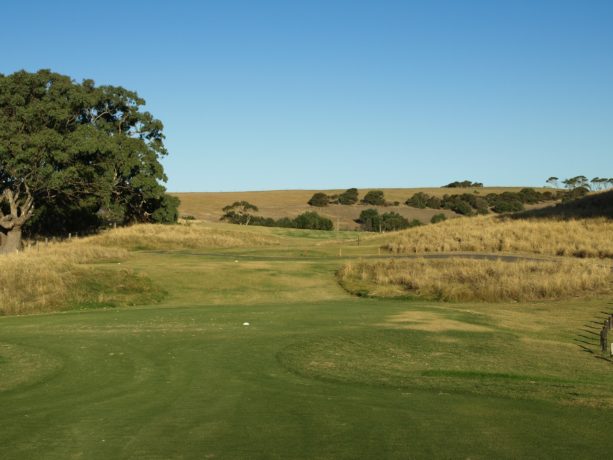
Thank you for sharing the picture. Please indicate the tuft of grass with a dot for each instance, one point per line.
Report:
(577, 238)
(480, 280)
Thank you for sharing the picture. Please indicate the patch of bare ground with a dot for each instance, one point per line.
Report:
(431, 322)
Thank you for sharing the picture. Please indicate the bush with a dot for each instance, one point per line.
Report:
(462, 207)
(165, 209)
(433, 202)
(418, 200)
(375, 198)
(348, 197)
(529, 195)
(510, 205)
(370, 220)
(481, 205)
(319, 199)
(438, 218)
(313, 221)
(575, 194)
(392, 221)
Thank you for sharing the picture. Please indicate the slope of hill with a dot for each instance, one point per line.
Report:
(594, 205)
(290, 203)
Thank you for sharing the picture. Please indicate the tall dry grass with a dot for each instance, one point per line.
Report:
(173, 237)
(67, 275)
(481, 280)
(579, 238)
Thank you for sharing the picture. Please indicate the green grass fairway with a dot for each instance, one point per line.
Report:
(317, 374)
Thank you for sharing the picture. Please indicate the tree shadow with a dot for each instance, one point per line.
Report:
(596, 205)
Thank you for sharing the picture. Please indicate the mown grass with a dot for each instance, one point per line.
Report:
(577, 238)
(459, 279)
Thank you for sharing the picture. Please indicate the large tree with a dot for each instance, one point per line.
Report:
(73, 154)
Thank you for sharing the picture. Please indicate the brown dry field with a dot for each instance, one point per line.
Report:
(290, 203)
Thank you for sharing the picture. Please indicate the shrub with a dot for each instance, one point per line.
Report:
(438, 218)
(370, 220)
(529, 195)
(165, 209)
(348, 197)
(313, 221)
(375, 198)
(319, 199)
(508, 205)
(481, 205)
(392, 221)
(433, 202)
(418, 200)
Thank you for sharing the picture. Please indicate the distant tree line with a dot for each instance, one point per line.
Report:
(241, 213)
(596, 184)
(463, 184)
(350, 197)
(469, 204)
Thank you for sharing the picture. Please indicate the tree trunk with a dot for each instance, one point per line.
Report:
(10, 241)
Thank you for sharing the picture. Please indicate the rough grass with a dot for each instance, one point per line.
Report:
(71, 275)
(578, 238)
(185, 236)
(480, 280)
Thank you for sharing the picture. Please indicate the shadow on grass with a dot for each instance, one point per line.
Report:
(596, 205)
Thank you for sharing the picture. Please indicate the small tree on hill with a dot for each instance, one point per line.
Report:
(349, 197)
(375, 198)
(370, 220)
(239, 212)
(553, 181)
(418, 200)
(319, 199)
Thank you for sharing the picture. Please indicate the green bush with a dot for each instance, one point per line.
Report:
(370, 220)
(510, 205)
(375, 198)
(418, 200)
(165, 209)
(348, 197)
(433, 202)
(438, 218)
(392, 221)
(313, 221)
(319, 199)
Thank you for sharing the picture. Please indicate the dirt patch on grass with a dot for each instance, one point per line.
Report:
(430, 322)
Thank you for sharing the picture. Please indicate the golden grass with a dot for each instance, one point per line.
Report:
(47, 278)
(578, 238)
(185, 236)
(481, 280)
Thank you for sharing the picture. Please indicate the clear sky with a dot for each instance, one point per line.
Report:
(261, 95)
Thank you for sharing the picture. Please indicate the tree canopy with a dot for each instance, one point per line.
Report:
(76, 155)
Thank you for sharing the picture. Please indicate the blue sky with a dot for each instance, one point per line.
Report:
(259, 95)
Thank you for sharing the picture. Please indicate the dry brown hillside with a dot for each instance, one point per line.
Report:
(290, 203)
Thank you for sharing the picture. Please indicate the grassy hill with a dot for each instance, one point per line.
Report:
(290, 203)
